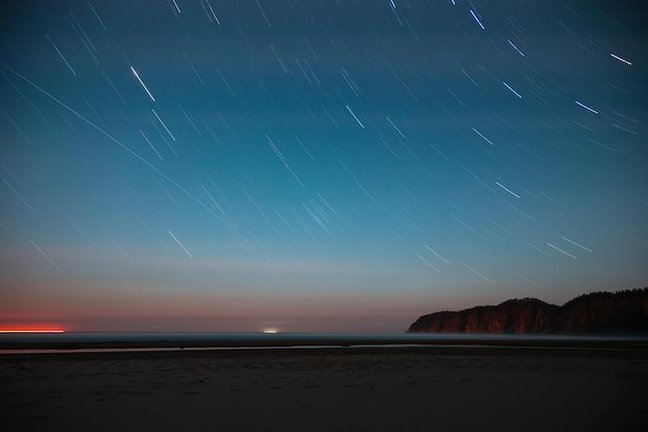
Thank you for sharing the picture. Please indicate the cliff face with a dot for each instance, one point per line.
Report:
(623, 312)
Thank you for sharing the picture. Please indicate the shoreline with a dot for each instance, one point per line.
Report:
(428, 350)
(71, 342)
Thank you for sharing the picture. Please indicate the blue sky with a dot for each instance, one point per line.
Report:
(316, 166)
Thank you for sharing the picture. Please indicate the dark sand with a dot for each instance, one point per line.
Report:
(431, 388)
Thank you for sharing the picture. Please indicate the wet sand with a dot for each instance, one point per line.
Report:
(423, 388)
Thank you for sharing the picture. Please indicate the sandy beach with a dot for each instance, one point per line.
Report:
(432, 388)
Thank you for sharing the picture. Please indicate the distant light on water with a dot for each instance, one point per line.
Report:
(270, 331)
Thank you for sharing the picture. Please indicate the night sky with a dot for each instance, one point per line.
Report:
(316, 165)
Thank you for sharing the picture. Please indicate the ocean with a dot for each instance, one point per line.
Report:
(169, 341)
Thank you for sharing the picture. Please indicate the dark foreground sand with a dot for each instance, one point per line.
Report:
(431, 389)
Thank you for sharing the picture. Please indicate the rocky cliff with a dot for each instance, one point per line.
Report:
(622, 312)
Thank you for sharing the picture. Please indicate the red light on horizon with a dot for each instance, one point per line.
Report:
(31, 330)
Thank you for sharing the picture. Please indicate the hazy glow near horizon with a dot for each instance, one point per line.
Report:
(319, 166)
(45, 330)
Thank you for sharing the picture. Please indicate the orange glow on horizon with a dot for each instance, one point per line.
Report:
(31, 330)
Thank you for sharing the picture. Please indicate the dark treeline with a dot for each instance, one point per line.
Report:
(621, 312)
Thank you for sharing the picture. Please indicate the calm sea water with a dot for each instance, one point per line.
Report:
(92, 342)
